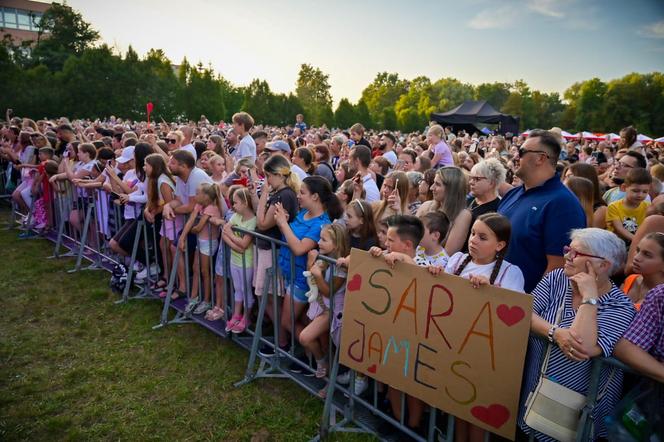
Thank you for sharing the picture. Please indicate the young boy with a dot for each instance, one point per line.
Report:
(404, 234)
(430, 250)
(626, 215)
(242, 123)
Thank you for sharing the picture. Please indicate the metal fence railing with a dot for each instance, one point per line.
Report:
(84, 224)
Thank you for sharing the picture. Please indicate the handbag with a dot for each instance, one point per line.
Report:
(551, 408)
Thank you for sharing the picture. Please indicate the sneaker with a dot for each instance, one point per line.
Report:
(344, 378)
(214, 314)
(202, 308)
(294, 367)
(193, 302)
(27, 234)
(138, 266)
(268, 351)
(321, 368)
(154, 270)
(240, 326)
(234, 320)
(361, 385)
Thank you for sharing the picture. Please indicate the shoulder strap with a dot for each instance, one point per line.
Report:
(504, 272)
(559, 315)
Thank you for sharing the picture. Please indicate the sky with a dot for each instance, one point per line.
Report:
(548, 43)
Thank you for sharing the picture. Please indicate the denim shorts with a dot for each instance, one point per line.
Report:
(298, 294)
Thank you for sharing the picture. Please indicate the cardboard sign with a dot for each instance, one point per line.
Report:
(437, 338)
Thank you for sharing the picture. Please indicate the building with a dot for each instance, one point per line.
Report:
(20, 18)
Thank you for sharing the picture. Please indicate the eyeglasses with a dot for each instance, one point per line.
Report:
(620, 164)
(572, 253)
(476, 178)
(523, 151)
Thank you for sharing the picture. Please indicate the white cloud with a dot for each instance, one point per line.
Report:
(504, 16)
(548, 8)
(495, 18)
(653, 30)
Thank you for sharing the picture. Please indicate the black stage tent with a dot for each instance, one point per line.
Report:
(467, 115)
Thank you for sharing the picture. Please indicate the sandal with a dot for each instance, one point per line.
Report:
(162, 283)
(176, 295)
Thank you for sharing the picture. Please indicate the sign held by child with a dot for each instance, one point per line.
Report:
(458, 348)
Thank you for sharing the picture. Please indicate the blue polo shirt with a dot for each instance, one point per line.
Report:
(542, 218)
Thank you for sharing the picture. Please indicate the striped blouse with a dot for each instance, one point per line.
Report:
(614, 315)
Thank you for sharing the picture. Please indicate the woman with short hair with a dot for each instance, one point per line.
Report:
(583, 314)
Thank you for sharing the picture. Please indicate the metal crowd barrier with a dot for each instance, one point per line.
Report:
(363, 413)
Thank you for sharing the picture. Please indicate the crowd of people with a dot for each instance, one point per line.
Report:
(578, 225)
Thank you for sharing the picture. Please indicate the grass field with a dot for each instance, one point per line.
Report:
(75, 366)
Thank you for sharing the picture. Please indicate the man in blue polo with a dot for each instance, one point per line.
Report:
(542, 211)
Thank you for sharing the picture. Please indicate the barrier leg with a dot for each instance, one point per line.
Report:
(84, 236)
(130, 269)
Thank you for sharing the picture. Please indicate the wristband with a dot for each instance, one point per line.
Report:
(552, 330)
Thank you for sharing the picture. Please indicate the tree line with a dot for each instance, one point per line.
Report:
(66, 72)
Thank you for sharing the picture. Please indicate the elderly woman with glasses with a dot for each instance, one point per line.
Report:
(582, 314)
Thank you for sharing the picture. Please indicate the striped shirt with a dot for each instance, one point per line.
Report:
(614, 314)
(647, 330)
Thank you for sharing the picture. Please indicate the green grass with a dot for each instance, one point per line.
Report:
(75, 366)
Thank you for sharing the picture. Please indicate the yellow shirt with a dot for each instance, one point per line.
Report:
(630, 219)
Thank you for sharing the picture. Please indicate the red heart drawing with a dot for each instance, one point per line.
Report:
(510, 315)
(372, 369)
(355, 283)
(495, 415)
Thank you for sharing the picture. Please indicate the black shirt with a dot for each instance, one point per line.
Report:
(288, 199)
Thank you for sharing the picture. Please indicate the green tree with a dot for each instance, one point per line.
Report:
(363, 115)
(313, 91)
(590, 105)
(413, 108)
(495, 94)
(382, 94)
(344, 115)
(259, 102)
(448, 93)
(62, 33)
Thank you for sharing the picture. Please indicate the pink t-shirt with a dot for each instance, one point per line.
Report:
(446, 158)
(209, 229)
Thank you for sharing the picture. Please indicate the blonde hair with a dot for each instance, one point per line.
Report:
(279, 165)
(245, 196)
(437, 130)
(339, 238)
(246, 162)
(402, 184)
(584, 190)
(211, 191)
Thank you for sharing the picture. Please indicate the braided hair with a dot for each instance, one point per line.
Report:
(502, 228)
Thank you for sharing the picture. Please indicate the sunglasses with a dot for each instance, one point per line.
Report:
(171, 140)
(523, 152)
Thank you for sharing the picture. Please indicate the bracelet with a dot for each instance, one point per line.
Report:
(552, 330)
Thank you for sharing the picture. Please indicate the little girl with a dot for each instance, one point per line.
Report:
(217, 312)
(648, 268)
(208, 240)
(484, 264)
(161, 188)
(217, 167)
(242, 258)
(333, 243)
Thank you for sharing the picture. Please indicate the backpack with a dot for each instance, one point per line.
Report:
(118, 278)
(335, 182)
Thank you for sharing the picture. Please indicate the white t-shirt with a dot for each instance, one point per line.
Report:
(509, 275)
(184, 191)
(246, 148)
(132, 180)
(297, 170)
(189, 148)
(371, 189)
(391, 157)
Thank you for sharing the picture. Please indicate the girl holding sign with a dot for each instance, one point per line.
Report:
(484, 264)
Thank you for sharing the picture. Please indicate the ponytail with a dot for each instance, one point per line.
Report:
(496, 268)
